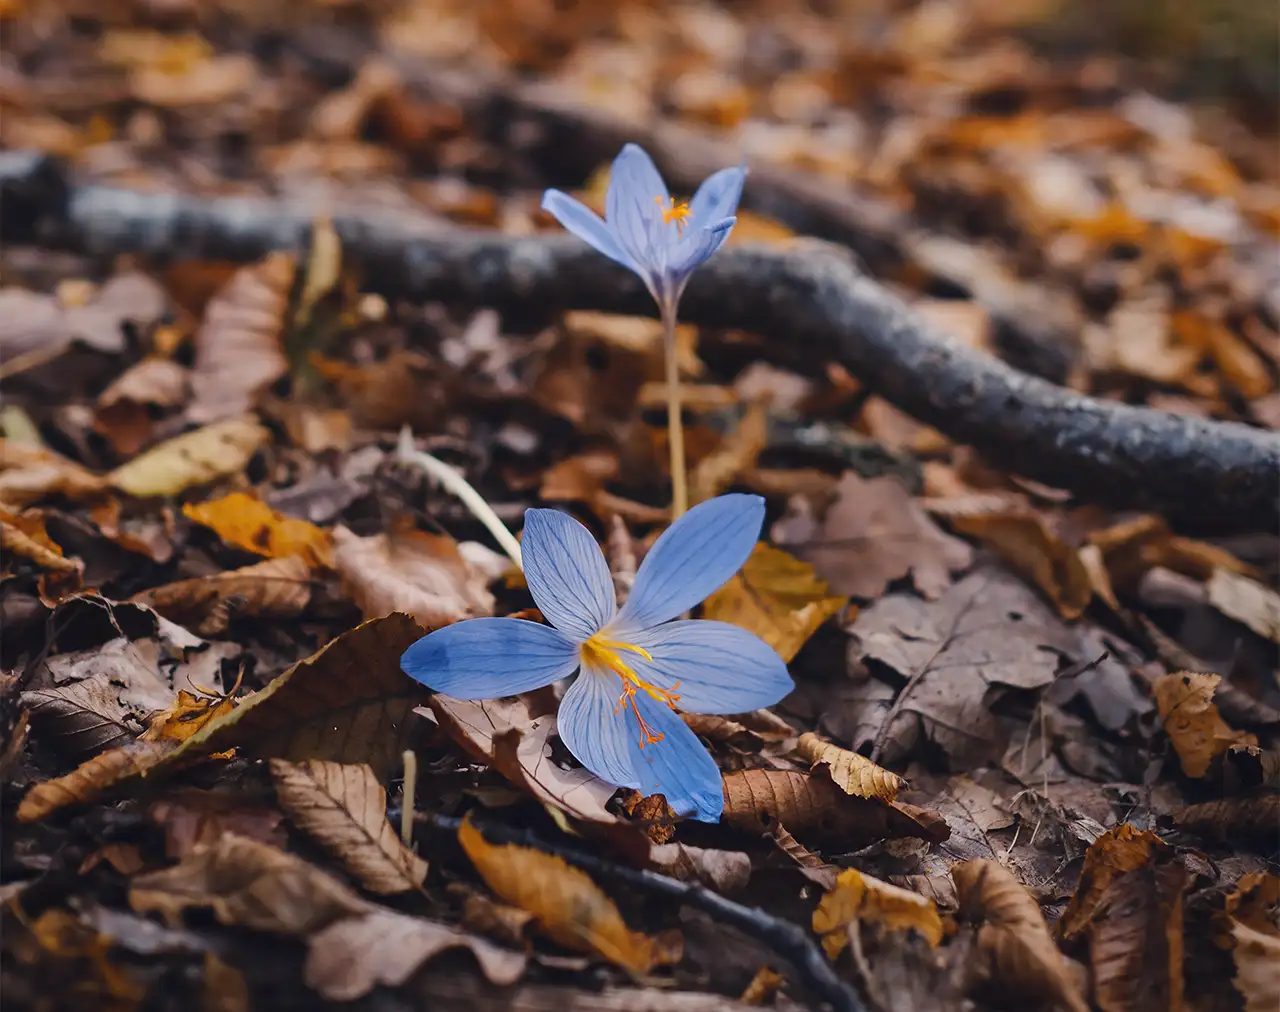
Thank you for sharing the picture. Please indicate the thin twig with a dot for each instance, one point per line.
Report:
(789, 940)
(455, 483)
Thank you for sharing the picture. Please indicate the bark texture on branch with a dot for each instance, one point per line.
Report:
(1218, 474)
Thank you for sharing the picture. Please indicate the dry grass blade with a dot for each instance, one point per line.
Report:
(194, 458)
(1192, 722)
(1116, 852)
(344, 808)
(1015, 954)
(853, 773)
(568, 906)
(277, 587)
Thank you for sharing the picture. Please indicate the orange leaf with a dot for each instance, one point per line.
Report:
(860, 897)
(244, 521)
(1192, 722)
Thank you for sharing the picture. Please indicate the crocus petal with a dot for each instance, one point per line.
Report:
(697, 247)
(566, 573)
(585, 224)
(633, 206)
(717, 198)
(593, 729)
(678, 766)
(718, 667)
(484, 658)
(635, 169)
(694, 557)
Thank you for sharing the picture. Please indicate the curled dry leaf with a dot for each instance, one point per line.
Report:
(194, 458)
(853, 773)
(1131, 548)
(569, 907)
(1252, 818)
(873, 534)
(1116, 852)
(1256, 954)
(1135, 940)
(777, 597)
(859, 897)
(246, 522)
(1246, 601)
(278, 587)
(124, 410)
(344, 808)
(23, 534)
(812, 867)
(185, 716)
(30, 473)
(238, 346)
(725, 871)
(1015, 952)
(500, 921)
(1192, 722)
(423, 575)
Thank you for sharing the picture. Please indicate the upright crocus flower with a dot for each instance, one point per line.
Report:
(635, 665)
(663, 241)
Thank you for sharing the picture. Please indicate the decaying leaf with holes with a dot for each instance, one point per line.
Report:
(1191, 720)
(246, 522)
(859, 897)
(569, 907)
(279, 588)
(344, 808)
(1116, 852)
(1015, 953)
(186, 715)
(853, 773)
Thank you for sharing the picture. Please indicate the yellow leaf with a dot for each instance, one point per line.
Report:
(1192, 722)
(860, 897)
(247, 522)
(777, 597)
(567, 905)
(853, 773)
(194, 458)
(186, 715)
(24, 534)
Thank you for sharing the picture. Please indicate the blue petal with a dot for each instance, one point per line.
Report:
(717, 198)
(592, 728)
(695, 556)
(720, 668)
(566, 573)
(484, 658)
(633, 207)
(677, 766)
(585, 224)
(697, 247)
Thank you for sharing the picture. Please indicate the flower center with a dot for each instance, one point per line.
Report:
(677, 212)
(601, 652)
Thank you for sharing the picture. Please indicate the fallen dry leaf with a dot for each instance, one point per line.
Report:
(423, 575)
(853, 773)
(344, 808)
(192, 818)
(247, 522)
(777, 597)
(186, 715)
(811, 865)
(1015, 953)
(1192, 722)
(28, 474)
(93, 778)
(1116, 852)
(405, 388)
(1251, 818)
(277, 587)
(1135, 940)
(725, 871)
(738, 453)
(859, 897)
(194, 458)
(764, 985)
(58, 944)
(1256, 954)
(124, 409)
(1131, 548)
(1246, 601)
(566, 904)
(23, 534)
(873, 534)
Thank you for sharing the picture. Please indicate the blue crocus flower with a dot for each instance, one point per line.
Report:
(635, 665)
(645, 230)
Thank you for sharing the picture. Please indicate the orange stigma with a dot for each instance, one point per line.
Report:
(677, 212)
(604, 653)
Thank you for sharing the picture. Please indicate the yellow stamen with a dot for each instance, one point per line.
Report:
(678, 212)
(604, 653)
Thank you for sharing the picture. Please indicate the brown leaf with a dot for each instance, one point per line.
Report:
(1246, 601)
(124, 410)
(59, 946)
(195, 458)
(276, 588)
(23, 534)
(248, 523)
(349, 958)
(725, 871)
(92, 779)
(407, 570)
(238, 346)
(28, 474)
(344, 808)
(1116, 852)
(1015, 952)
(566, 904)
(1024, 541)
(859, 897)
(1135, 940)
(738, 453)
(1131, 548)
(1246, 818)
(1237, 363)
(193, 818)
(811, 866)
(1256, 955)
(777, 597)
(1192, 722)
(405, 388)
(853, 773)
(875, 533)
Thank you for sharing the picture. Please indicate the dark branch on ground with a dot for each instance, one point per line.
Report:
(787, 939)
(1219, 475)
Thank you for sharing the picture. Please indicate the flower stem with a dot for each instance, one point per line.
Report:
(454, 482)
(675, 423)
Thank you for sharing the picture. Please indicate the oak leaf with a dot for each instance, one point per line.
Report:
(859, 897)
(777, 597)
(344, 808)
(852, 772)
(1192, 722)
(566, 904)
(194, 458)
(246, 522)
